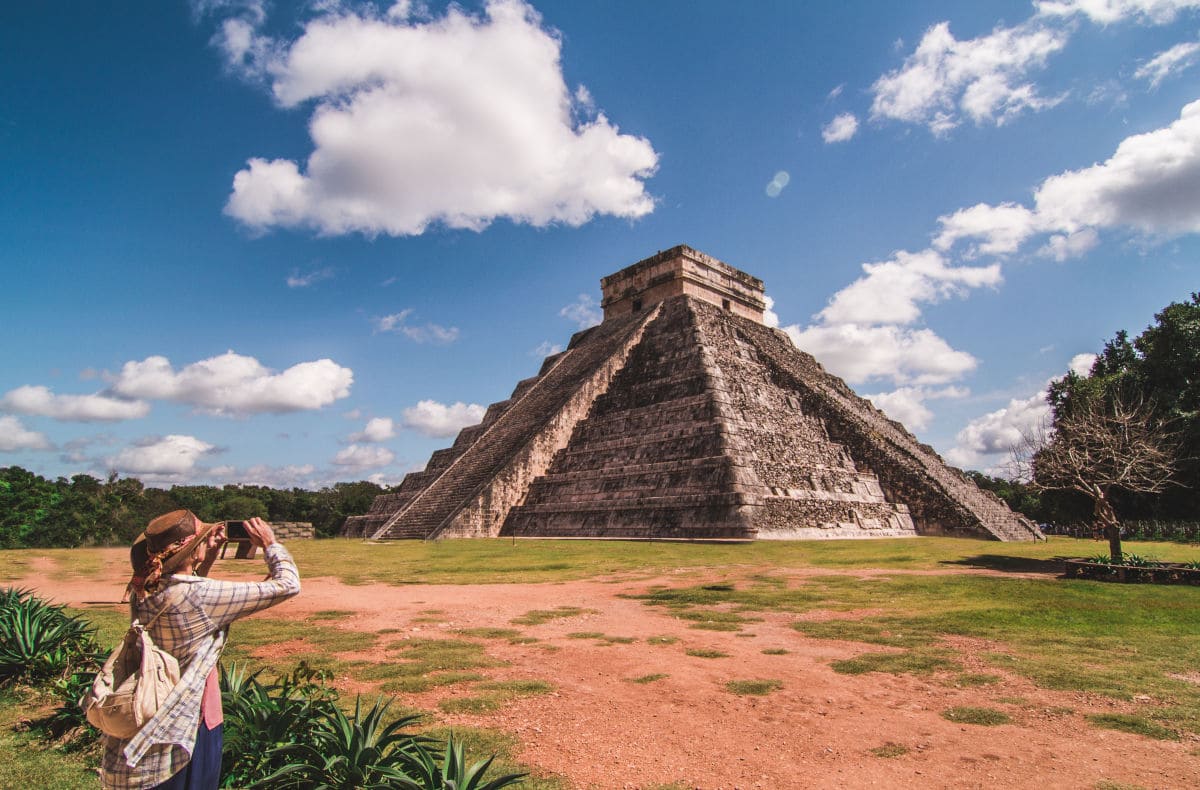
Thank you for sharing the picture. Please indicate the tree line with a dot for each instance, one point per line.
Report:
(1123, 442)
(83, 511)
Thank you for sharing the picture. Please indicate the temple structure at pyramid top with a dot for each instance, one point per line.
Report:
(682, 416)
(682, 271)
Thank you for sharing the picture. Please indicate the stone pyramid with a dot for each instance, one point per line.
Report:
(682, 416)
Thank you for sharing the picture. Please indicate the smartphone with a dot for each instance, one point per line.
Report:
(236, 530)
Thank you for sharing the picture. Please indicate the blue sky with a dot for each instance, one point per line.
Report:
(293, 244)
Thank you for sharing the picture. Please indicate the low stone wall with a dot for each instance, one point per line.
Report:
(293, 530)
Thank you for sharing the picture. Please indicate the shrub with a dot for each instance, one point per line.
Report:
(40, 641)
(261, 718)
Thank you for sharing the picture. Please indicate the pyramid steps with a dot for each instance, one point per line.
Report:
(512, 426)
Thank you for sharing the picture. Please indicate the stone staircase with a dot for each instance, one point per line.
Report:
(479, 458)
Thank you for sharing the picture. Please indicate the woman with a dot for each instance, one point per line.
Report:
(180, 748)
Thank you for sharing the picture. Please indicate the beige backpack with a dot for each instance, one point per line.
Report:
(133, 683)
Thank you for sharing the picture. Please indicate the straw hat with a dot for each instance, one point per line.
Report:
(172, 537)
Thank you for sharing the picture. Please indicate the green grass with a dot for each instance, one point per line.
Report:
(913, 661)
(1138, 725)
(492, 696)
(648, 678)
(331, 614)
(602, 638)
(661, 640)
(482, 561)
(890, 749)
(1120, 641)
(540, 616)
(972, 679)
(29, 762)
(775, 651)
(753, 688)
(987, 717)
(490, 633)
(704, 652)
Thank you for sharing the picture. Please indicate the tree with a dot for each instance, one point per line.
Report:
(1099, 447)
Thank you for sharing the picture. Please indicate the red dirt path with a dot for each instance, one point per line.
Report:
(599, 730)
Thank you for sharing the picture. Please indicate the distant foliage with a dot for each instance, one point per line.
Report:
(81, 511)
(1159, 368)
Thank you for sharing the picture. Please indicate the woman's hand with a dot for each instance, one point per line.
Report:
(260, 532)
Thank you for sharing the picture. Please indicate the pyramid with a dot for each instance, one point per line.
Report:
(682, 416)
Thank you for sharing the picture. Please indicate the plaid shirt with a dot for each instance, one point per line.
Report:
(194, 631)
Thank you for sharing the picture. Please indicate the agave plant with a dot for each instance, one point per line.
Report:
(352, 753)
(262, 718)
(451, 772)
(39, 640)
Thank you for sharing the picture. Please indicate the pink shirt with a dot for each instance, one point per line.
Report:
(210, 704)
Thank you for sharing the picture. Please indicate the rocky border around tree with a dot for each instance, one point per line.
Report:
(1143, 573)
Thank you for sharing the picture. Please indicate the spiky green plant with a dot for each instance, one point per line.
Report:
(451, 771)
(39, 640)
(363, 751)
(261, 718)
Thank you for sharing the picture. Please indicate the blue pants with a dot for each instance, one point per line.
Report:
(204, 771)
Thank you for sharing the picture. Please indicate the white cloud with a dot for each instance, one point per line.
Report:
(1003, 228)
(15, 436)
(1105, 12)
(358, 457)
(892, 290)
(232, 384)
(770, 317)
(840, 129)
(997, 433)
(585, 312)
(904, 356)
(546, 349)
(1169, 62)
(378, 429)
(458, 120)
(945, 78)
(1151, 183)
(906, 405)
(427, 333)
(988, 439)
(297, 280)
(1081, 364)
(1063, 246)
(165, 457)
(289, 476)
(439, 420)
(41, 401)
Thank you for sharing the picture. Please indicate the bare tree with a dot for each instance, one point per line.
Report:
(1100, 447)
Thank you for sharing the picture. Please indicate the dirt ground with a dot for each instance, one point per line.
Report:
(600, 730)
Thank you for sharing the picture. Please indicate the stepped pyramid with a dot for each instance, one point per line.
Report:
(682, 416)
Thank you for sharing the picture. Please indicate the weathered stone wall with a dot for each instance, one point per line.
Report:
(808, 485)
(942, 500)
(292, 530)
(682, 271)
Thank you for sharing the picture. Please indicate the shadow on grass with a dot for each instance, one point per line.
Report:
(1000, 562)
